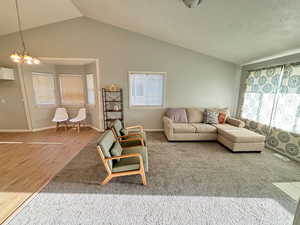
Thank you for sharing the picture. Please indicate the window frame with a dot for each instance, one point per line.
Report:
(44, 105)
(61, 92)
(87, 89)
(131, 106)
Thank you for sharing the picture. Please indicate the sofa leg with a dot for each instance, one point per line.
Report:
(106, 180)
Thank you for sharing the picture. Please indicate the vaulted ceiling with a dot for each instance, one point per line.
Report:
(233, 30)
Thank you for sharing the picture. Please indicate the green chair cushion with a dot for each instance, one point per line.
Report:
(123, 132)
(106, 142)
(126, 164)
(141, 150)
(116, 150)
(130, 143)
(117, 126)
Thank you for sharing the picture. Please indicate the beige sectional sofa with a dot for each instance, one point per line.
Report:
(232, 133)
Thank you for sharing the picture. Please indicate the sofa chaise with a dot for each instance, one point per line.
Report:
(232, 133)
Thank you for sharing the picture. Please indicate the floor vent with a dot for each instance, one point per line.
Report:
(281, 157)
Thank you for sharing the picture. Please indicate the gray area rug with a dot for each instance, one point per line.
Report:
(188, 183)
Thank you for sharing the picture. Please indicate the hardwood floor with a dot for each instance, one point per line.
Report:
(26, 167)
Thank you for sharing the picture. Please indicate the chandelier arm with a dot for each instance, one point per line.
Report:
(20, 27)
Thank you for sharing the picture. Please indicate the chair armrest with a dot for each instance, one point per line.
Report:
(235, 122)
(140, 127)
(138, 155)
(133, 139)
(130, 135)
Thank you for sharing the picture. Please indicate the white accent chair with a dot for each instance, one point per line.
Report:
(81, 116)
(61, 116)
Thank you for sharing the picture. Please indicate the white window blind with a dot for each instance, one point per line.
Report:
(90, 89)
(44, 88)
(147, 89)
(71, 90)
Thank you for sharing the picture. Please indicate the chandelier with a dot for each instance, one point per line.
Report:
(22, 56)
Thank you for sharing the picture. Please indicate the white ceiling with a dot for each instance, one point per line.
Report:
(35, 13)
(233, 30)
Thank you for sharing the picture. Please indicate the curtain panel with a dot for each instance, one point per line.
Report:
(271, 106)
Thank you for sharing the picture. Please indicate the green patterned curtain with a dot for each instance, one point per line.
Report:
(271, 106)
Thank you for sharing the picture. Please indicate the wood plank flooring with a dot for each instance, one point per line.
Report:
(25, 168)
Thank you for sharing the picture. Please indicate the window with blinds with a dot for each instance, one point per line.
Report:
(71, 89)
(44, 88)
(147, 89)
(90, 87)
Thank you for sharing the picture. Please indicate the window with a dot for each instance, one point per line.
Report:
(90, 87)
(272, 97)
(147, 89)
(71, 90)
(44, 88)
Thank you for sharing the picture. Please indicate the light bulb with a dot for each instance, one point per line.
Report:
(27, 58)
(36, 61)
(15, 57)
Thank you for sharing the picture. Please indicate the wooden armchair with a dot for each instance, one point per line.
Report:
(123, 165)
(129, 138)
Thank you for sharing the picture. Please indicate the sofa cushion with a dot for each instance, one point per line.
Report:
(194, 115)
(204, 128)
(226, 126)
(236, 122)
(177, 115)
(242, 136)
(183, 128)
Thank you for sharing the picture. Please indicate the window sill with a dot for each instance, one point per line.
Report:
(45, 106)
(147, 107)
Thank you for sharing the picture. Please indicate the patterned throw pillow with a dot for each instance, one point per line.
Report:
(212, 117)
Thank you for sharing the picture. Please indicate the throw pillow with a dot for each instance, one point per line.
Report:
(194, 115)
(225, 110)
(222, 117)
(212, 117)
(177, 115)
(116, 150)
(124, 132)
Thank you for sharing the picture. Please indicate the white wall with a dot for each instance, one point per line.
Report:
(193, 79)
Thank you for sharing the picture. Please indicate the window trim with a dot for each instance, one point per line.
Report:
(42, 105)
(164, 74)
(87, 90)
(60, 90)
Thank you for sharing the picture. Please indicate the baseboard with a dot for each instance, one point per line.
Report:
(154, 130)
(13, 130)
(42, 128)
(95, 128)
(281, 153)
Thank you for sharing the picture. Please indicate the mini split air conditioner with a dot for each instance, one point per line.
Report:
(7, 74)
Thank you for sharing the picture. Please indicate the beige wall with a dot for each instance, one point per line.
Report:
(93, 110)
(193, 79)
(12, 111)
(41, 116)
